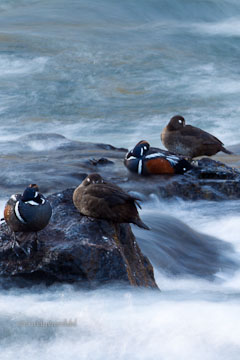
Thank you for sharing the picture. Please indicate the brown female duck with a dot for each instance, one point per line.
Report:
(188, 140)
(102, 200)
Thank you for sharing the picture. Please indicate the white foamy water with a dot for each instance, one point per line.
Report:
(10, 65)
(226, 228)
(118, 324)
(226, 28)
(190, 318)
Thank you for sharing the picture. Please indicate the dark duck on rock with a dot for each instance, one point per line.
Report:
(146, 160)
(102, 200)
(29, 212)
(189, 141)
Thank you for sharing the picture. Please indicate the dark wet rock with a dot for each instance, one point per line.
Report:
(110, 147)
(210, 180)
(101, 162)
(74, 249)
(208, 168)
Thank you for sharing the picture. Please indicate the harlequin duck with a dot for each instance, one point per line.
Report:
(28, 212)
(99, 199)
(188, 140)
(145, 160)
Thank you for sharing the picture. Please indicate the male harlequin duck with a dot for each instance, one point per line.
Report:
(102, 200)
(188, 140)
(145, 160)
(30, 211)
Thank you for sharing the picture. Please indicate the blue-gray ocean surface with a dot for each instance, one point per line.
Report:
(115, 72)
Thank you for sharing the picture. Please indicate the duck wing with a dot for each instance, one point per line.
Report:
(112, 195)
(205, 137)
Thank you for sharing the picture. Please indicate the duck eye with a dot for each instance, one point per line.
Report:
(88, 180)
(180, 121)
(145, 148)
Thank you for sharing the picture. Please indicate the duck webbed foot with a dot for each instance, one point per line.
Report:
(36, 243)
(17, 247)
(24, 243)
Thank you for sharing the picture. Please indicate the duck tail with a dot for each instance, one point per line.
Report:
(226, 151)
(182, 166)
(141, 224)
(137, 203)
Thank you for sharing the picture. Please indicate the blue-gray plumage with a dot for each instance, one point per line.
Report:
(29, 212)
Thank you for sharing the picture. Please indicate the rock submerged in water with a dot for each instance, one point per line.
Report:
(74, 249)
(56, 162)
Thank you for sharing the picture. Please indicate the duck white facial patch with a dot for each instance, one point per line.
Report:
(17, 213)
(32, 202)
(131, 158)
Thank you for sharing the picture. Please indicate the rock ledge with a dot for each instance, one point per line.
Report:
(74, 249)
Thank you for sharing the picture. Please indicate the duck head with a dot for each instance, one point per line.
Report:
(177, 122)
(92, 179)
(139, 150)
(31, 193)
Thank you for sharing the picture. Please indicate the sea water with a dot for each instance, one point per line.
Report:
(118, 70)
